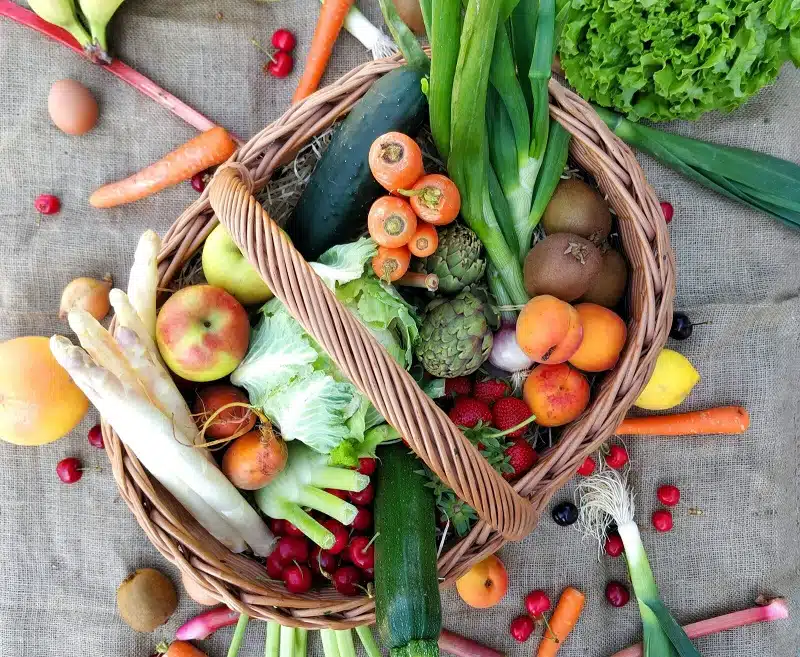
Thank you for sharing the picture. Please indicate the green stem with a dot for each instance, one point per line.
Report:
(273, 642)
(344, 640)
(238, 635)
(368, 641)
(444, 34)
(306, 524)
(287, 641)
(300, 642)
(404, 38)
(329, 645)
(330, 505)
(339, 478)
(539, 75)
(500, 295)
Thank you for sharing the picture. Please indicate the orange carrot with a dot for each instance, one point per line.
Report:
(435, 199)
(180, 649)
(329, 24)
(424, 242)
(391, 221)
(720, 420)
(196, 155)
(395, 161)
(564, 618)
(391, 264)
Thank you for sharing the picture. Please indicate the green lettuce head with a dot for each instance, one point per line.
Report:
(676, 59)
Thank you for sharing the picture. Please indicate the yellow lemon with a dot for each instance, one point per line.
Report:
(672, 381)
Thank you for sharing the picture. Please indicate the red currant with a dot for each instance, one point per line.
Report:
(662, 520)
(614, 545)
(668, 495)
(587, 467)
(47, 204)
(284, 40)
(617, 457)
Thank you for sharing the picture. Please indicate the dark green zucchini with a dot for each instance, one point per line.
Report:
(407, 603)
(333, 207)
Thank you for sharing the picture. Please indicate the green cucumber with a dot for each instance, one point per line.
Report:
(407, 603)
(333, 207)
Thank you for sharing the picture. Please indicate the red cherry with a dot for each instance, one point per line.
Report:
(367, 466)
(96, 437)
(364, 497)
(587, 467)
(323, 562)
(662, 520)
(284, 40)
(341, 494)
(537, 603)
(363, 520)
(292, 548)
(47, 204)
(275, 565)
(617, 457)
(617, 594)
(277, 526)
(361, 553)
(290, 530)
(614, 545)
(297, 578)
(281, 64)
(369, 574)
(346, 580)
(199, 182)
(340, 535)
(69, 470)
(668, 210)
(521, 628)
(668, 495)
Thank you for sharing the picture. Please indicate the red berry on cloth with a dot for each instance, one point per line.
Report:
(508, 412)
(284, 40)
(662, 520)
(614, 545)
(460, 385)
(521, 456)
(587, 467)
(521, 628)
(96, 437)
(467, 412)
(617, 594)
(69, 470)
(668, 495)
(47, 204)
(617, 457)
(281, 65)
(537, 603)
(490, 390)
(199, 182)
(668, 210)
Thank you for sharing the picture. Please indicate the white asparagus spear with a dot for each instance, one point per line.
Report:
(152, 437)
(99, 344)
(143, 280)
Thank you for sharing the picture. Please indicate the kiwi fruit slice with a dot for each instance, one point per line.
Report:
(608, 286)
(579, 209)
(563, 265)
(146, 599)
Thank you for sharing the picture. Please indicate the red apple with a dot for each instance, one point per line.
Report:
(202, 333)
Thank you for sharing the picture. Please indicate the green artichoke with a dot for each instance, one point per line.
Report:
(457, 261)
(455, 336)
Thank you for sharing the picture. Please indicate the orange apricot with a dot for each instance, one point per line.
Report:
(549, 330)
(556, 394)
(604, 335)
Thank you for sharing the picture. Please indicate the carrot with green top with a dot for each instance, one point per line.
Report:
(720, 420)
(329, 24)
(208, 149)
(564, 618)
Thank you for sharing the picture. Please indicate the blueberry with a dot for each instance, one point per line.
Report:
(681, 326)
(565, 514)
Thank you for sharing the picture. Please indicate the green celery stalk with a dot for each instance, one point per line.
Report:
(273, 642)
(238, 635)
(467, 163)
(404, 37)
(368, 641)
(344, 640)
(553, 163)
(300, 642)
(287, 641)
(444, 33)
(329, 645)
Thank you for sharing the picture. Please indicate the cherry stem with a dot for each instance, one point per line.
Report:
(371, 541)
(262, 49)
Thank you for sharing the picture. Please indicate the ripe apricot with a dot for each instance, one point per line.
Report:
(549, 330)
(556, 394)
(604, 335)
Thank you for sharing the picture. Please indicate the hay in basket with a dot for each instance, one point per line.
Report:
(506, 511)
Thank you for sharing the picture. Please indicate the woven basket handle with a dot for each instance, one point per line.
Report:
(427, 430)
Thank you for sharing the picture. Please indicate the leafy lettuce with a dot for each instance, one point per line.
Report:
(289, 376)
(676, 59)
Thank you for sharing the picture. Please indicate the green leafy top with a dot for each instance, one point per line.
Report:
(667, 59)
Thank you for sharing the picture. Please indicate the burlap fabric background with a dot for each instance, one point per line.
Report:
(64, 549)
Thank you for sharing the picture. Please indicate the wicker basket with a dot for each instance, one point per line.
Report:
(506, 513)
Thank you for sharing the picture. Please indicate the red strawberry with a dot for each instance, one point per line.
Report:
(461, 385)
(521, 457)
(508, 412)
(490, 390)
(467, 412)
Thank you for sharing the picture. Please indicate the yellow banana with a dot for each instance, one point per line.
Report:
(97, 14)
(62, 13)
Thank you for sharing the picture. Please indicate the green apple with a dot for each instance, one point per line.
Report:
(226, 267)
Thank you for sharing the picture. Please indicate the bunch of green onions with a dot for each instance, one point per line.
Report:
(605, 498)
(759, 181)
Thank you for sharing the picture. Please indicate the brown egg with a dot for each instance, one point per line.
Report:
(72, 107)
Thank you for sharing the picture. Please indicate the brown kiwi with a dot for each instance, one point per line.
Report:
(608, 286)
(563, 265)
(579, 209)
(146, 599)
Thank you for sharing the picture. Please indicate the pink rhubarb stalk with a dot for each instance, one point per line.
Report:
(460, 646)
(124, 72)
(204, 625)
(775, 610)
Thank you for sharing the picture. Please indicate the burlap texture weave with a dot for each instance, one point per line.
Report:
(63, 550)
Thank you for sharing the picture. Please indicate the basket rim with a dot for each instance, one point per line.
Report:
(239, 582)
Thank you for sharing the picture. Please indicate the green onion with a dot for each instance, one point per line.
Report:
(444, 34)
(605, 499)
(539, 76)
(759, 181)
(404, 37)
(523, 37)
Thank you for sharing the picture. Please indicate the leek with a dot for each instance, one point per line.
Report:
(605, 499)
(759, 181)
(443, 32)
